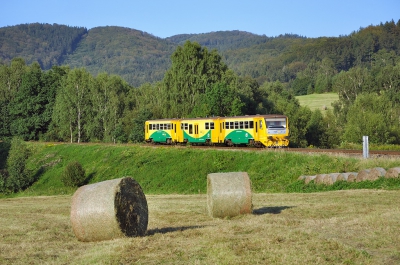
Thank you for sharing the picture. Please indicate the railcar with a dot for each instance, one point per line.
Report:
(256, 130)
(162, 131)
(253, 130)
(200, 131)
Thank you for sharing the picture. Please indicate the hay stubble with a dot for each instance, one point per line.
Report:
(343, 227)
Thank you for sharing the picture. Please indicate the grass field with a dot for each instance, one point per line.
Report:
(336, 227)
(318, 101)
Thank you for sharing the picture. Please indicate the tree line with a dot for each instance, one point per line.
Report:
(71, 105)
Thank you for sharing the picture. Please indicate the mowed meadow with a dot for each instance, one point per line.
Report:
(322, 102)
(291, 222)
(336, 227)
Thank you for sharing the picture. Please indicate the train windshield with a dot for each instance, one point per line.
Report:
(276, 123)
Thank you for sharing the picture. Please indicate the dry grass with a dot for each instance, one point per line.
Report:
(343, 227)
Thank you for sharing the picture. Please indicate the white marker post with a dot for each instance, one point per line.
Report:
(365, 147)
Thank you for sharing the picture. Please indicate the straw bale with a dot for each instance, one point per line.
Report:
(302, 177)
(109, 209)
(308, 179)
(228, 194)
(375, 173)
(331, 178)
(347, 176)
(362, 175)
(319, 178)
(392, 172)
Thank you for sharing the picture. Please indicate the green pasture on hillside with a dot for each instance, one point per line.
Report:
(318, 101)
(184, 170)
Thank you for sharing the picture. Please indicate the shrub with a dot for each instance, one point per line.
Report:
(3, 179)
(73, 175)
(19, 177)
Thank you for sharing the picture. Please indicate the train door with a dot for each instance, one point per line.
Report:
(256, 130)
(196, 131)
(221, 131)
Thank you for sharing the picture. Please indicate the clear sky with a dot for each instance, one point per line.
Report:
(165, 18)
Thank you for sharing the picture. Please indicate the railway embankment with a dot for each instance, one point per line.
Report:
(184, 170)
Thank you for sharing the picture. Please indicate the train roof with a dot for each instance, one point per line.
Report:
(266, 116)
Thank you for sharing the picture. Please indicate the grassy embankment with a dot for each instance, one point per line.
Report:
(183, 170)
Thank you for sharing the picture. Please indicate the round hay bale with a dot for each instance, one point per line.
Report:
(362, 175)
(331, 178)
(351, 176)
(376, 173)
(229, 194)
(392, 172)
(108, 210)
(319, 178)
(302, 177)
(308, 179)
(345, 176)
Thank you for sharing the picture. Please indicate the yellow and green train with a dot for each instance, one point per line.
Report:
(253, 130)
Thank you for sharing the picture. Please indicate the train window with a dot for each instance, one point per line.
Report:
(246, 124)
(211, 125)
(236, 125)
(251, 124)
(241, 125)
(184, 126)
(207, 126)
(231, 125)
(174, 125)
(190, 129)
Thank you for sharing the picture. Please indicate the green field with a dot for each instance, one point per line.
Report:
(318, 101)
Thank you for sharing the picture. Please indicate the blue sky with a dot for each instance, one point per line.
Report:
(162, 18)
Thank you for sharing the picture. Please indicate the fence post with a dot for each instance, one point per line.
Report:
(365, 147)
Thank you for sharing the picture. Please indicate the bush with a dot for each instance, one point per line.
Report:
(19, 177)
(73, 175)
(3, 179)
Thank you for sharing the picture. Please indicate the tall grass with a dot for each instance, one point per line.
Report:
(183, 170)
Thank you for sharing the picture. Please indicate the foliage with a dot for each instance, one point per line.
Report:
(73, 175)
(19, 177)
(86, 104)
(44, 43)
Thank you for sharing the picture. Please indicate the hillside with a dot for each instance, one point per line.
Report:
(139, 57)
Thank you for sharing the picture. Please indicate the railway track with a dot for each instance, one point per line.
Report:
(372, 154)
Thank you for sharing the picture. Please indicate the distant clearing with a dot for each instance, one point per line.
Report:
(318, 101)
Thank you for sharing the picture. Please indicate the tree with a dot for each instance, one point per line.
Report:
(32, 105)
(72, 108)
(369, 115)
(221, 100)
(193, 70)
(10, 82)
(107, 100)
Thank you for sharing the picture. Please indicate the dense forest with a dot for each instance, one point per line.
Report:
(59, 83)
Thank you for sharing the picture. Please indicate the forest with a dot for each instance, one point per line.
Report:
(55, 98)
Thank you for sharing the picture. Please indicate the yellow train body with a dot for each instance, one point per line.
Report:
(255, 130)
